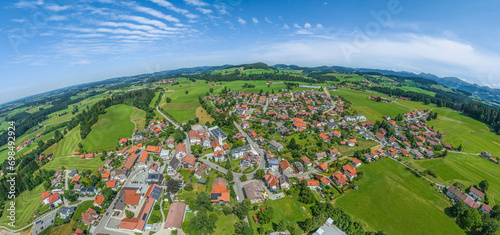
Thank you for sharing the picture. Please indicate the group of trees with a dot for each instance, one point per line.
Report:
(322, 211)
(471, 219)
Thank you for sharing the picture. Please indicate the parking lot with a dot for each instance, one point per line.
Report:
(44, 222)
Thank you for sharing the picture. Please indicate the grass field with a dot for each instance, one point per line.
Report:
(26, 205)
(113, 125)
(81, 208)
(376, 110)
(73, 163)
(392, 199)
(68, 144)
(287, 208)
(468, 170)
(63, 229)
(459, 131)
(139, 118)
(204, 117)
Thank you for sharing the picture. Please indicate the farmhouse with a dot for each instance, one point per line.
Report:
(457, 195)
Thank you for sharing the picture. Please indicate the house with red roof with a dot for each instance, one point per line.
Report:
(180, 150)
(55, 200)
(356, 162)
(153, 168)
(122, 141)
(322, 167)
(99, 199)
(76, 179)
(188, 161)
(143, 161)
(130, 162)
(45, 197)
(311, 184)
(339, 179)
(105, 176)
(349, 171)
(352, 142)
(271, 182)
(285, 167)
(89, 216)
(153, 149)
(307, 162)
(113, 184)
(219, 191)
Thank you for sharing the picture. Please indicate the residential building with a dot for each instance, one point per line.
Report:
(175, 216)
(254, 192)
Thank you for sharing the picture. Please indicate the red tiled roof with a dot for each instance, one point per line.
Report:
(99, 200)
(111, 183)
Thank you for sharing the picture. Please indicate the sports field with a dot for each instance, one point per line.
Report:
(114, 124)
(461, 129)
(468, 170)
(392, 199)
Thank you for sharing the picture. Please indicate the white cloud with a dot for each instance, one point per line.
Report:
(18, 20)
(307, 26)
(171, 7)
(319, 26)
(285, 26)
(204, 10)
(143, 20)
(409, 52)
(303, 31)
(297, 26)
(222, 9)
(54, 7)
(197, 3)
(241, 21)
(28, 4)
(255, 20)
(268, 20)
(146, 28)
(57, 18)
(152, 12)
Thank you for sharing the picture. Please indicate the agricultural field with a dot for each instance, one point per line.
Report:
(183, 105)
(461, 129)
(204, 117)
(466, 169)
(114, 124)
(392, 199)
(26, 205)
(73, 163)
(375, 110)
(67, 145)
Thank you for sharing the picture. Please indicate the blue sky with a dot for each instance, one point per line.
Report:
(49, 44)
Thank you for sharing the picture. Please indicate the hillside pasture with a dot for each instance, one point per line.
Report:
(460, 129)
(392, 199)
(114, 124)
(466, 169)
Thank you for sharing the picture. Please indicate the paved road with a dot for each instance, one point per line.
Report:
(169, 119)
(101, 227)
(44, 222)
(255, 146)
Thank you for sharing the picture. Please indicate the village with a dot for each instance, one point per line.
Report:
(275, 143)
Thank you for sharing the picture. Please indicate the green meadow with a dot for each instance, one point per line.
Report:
(392, 199)
(460, 130)
(114, 124)
(468, 170)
